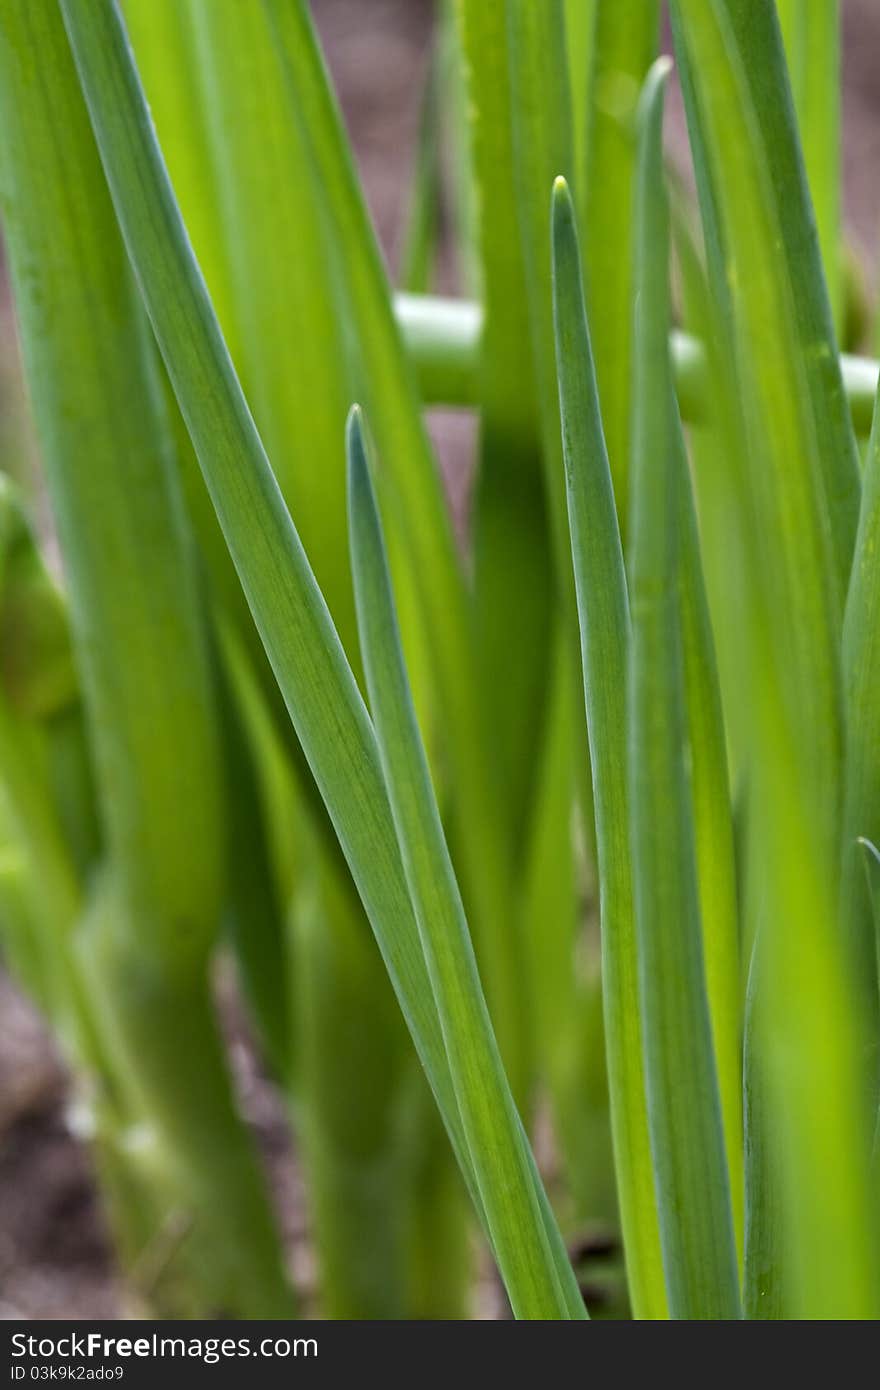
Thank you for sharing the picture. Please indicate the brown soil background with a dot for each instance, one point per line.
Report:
(55, 1260)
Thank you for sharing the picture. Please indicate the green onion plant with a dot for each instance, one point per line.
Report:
(569, 831)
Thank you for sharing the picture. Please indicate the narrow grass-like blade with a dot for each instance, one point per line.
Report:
(418, 525)
(684, 1113)
(580, 30)
(142, 648)
(712, 826)
(542, 151)
(164, 42)
(782, 234)
(459, 170)
(625, 42)
(498, 1149)
(175, 69)
(563, 1007)
(270, 198)
(289, 610)
(812, 44)
(799, 570)
(292, 618)
(805, 1030)
(513, 567)
(861, 673)
(871, 856)
(603, 609)
(422, 221)
(135, 610)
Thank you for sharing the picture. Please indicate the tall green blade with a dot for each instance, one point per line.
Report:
(684, 1113)
(542, 150)
(812, 44)
(861, 673)
(494, 1136)
(419, 527)
(269, 199)
(290, 612)
(422, 229)
(580, 30)
(785, 466)
(790, 244)
(142, 650)
(512, 564)
(625, 41)
(603, 609)
(292, 618)
(713, 830)
(164, 41)
(135, 611)
(805, 1033)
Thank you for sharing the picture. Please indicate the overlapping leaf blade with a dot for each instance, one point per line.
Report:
(684, 1112)
(603, 608)
(795, 502)
(498, 1148)
(303, 647)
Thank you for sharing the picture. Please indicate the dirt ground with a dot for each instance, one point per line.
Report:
(55, 1261)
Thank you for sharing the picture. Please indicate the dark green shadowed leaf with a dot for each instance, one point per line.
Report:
(501, 1163)
(684, 1113)
(603, 610)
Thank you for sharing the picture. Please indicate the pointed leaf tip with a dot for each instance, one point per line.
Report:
(561, 202)
(654, 90)
(359, 481)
